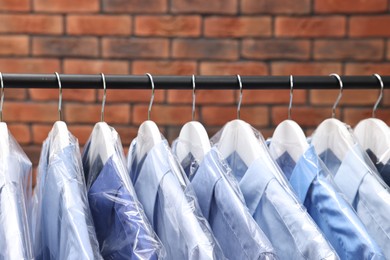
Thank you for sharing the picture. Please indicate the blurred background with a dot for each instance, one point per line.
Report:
(185, 37)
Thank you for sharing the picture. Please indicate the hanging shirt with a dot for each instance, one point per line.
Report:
(364, 190)
(171, 205)
(15, 194)
(314, 187)
(63, 224)
(122, 228)
(223, 205)
(382, 167)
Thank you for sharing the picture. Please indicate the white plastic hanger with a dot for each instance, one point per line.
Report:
(60, 129)
(4, 134)
(373, 133)
(238, 136)
(289, 136)
(332, 133)
(193, 136)
(148, 133)
(102, 139)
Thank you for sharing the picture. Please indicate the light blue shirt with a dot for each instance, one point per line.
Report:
(64, 227)
(223, 205)
(369, 195)
(171, 205)
(286, 223)
(314, 187)
(15, 195)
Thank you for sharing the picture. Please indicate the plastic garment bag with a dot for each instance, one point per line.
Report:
(340, 224)
(357, 178)
(275, 208)
(170, 204)
(189, 164)
(222, 203)
(122, 228)
(63, 227)
(15, 198)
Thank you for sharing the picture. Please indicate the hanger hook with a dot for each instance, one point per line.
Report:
(380, 95)
(240, 100)
(152, 98)
(60, 96)
(2, 96)
(193, 97)
(340, 94)
(104, 97)
(291, 96)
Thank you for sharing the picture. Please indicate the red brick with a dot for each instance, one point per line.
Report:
(127, 134)
(99, 25)
(90, 113)
(276, 49)
(85, 95)
(14, 94)
(21, 132)
(275, 6)
(205, 49)
(40, 132)
(237, 26)
(135, 6)
(29, 65)
(367, 68)
(305, 68)
(136, 48)
(220, 115)
(67, 6)
(33, 153)
(168, 25)
(15, 5)
(31, 24)
(304, 116)
(272, 97)
(81, 132)
(369, 26)
(233, 68)
(133, 95)
(30, 112)
(14, 45)
(349, 50)
(163, 115)
(204, 7)
(350, 97)
(62, 46)
(350, 6)
(79, 66)
(353, 116)
(164, 67)
(209, 96)
(330, 26)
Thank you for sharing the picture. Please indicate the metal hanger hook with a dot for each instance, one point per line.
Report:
(60, 96)
(2, 96)
(291, 96)
(380, 95)
(340, 93)
(104, 97)
(152, 98)
(193, 97)
(240, 100)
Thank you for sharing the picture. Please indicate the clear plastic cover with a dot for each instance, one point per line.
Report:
(122, 228)
(15, 199)
(171, 204)
(339, 222)
(63, 227)
(222, 203)
(356, 176)
(190, 163)
(275, 207)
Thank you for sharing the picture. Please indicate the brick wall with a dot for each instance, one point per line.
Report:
(247, 37)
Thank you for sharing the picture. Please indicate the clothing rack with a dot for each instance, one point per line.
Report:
(76, 81)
